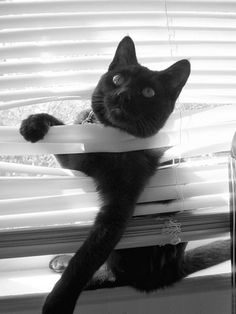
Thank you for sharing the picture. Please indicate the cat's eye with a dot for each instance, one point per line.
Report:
(148, 92)
(118, 79)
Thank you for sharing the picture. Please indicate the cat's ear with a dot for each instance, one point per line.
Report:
(175, 77)
(125, 54)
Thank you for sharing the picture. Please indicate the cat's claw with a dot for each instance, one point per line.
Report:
(35, 127)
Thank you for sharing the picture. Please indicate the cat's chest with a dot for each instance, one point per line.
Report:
(123, 175)
(129, 165)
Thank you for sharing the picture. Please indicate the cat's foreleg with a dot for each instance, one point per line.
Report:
(36, 126)
(108, 228)
(207, 255)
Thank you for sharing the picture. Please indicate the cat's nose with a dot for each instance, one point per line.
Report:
(124, 95)
(122, 91)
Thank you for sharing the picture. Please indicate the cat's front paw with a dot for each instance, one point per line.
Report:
(35, 127)
(55, 307)
(58, 304)
(59, 263)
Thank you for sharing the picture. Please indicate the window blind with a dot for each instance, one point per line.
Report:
(58, 48)
(56, 51)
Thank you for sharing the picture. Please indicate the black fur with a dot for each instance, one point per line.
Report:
(137, 101)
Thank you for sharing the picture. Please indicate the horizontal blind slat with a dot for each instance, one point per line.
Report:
(102, 62)
(201, 137)
(55, 93)
(180, 175)
(12, 98)
(82, 200)
(35, 101)
(185, 48)
(23, 248)
(83, 19)
(194, 226)
(199, 78)
(65, 148)
(116, 32)
(32, 169)
(79, 33)
(194, 195)
(50, 79)
(152, 193)
(83, 218)
(189, 126)
(126, 18)
(26, 7)
(11, 201)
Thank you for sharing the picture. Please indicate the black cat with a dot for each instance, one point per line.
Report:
(134, 99)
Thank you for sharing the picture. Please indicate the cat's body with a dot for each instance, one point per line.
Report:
(138, 101)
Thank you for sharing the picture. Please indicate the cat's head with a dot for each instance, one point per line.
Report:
(135, 99)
